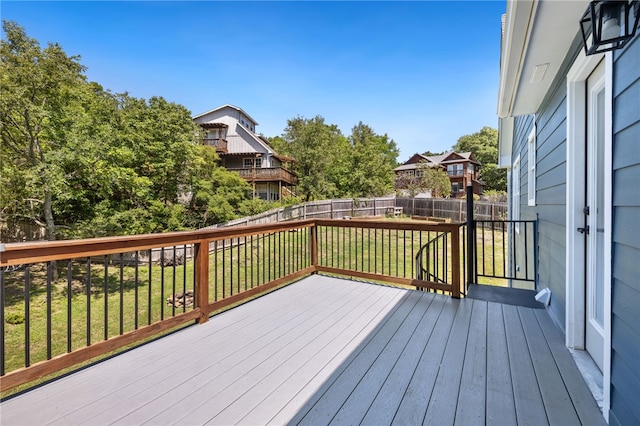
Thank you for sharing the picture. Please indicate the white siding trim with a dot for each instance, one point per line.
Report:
(531, 166)
(575, 294)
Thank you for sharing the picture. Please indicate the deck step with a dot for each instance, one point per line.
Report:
(505, 295)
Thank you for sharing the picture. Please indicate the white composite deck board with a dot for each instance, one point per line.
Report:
(471, 408)
(328, 350)
(526, 393)
(556, 398)
(444, 399)
(141, 363)
(296, 371)
(500, 407)
(294, 392)
(416, 398)
(220, 372)
(581, 398)
(357, 404)
(257, 373)
(389, 397)
(322, 408)
(199, 349)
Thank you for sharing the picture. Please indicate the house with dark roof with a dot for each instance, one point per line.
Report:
(232, 132)
(462, 168)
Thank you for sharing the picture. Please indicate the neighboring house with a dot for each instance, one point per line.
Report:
(462, 168)
(570, 134)
(233, 134)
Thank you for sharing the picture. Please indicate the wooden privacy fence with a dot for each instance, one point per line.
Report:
(65, 302)
(452, 208)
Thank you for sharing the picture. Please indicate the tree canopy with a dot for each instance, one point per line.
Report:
(82, 161)
(329, 164)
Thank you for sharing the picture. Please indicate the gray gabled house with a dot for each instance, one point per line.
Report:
(570, 135)
(232, 132)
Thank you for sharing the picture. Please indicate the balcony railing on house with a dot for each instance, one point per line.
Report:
(267, 174)
(65, 302)
(219, 144)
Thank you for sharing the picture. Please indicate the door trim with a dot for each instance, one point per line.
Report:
(575, 201)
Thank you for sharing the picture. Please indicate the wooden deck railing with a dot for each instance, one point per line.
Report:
(66, 302)
(266, 174)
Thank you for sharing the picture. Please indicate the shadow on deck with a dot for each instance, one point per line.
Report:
(327, 350)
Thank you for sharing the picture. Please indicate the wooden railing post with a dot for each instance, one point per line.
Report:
(202, 279)
(455, 264)
(313, 245)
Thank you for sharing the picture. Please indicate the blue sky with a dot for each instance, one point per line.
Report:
(423, 72)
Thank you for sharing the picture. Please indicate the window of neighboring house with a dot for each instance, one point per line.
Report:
(470, 168)
(455, 187)
(418, 173)
(247, 162)
(454, 169)
(531, 169)
(515, 192)
(258, 163)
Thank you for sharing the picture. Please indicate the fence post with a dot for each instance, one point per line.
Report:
(470, 238)
(202, 279)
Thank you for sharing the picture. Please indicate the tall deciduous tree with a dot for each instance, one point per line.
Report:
(316, 146)
(40, 88)
(373, 158)
(84, 162)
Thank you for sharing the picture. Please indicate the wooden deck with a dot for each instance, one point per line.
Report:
(327, 350)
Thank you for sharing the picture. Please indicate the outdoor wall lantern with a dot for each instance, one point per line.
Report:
(612, 23)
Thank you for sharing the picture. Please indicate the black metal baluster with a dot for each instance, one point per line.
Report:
(49, 283)
(184, 276)
(246, 264)
(69, 290)
(526, 251)
(88, 288)
(106, 297)
(136, 283)
(231, 266)
(121, 293)
(162, 302)
(27, 317)
(2, 347)
(224, 271)
(215, 270)
(149, 304)
(173, 284)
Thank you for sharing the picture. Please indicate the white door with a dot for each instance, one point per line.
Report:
(594, 228)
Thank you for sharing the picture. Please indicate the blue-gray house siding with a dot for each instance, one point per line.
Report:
(625, 324)
(550, 210)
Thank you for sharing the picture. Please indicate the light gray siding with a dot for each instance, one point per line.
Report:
(625, 325)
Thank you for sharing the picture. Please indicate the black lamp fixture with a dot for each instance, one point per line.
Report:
(612, 23)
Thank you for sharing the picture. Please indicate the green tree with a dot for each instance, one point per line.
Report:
(84, 162)
(483, 145)
(316, 146)
(40, 89)
(373, 158)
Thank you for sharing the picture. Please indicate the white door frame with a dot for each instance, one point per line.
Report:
(575, 250)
